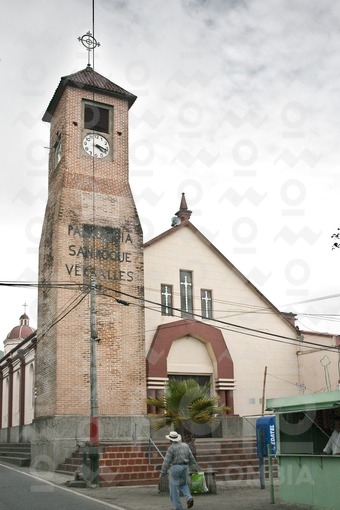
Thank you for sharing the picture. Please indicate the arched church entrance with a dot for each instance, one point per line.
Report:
(173, 354)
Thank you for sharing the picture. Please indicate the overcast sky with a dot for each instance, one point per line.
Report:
(238, 106)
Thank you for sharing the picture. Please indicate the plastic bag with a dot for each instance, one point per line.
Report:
(198, 483)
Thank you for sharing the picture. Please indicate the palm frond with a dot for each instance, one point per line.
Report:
(184, 401)
(156, 402)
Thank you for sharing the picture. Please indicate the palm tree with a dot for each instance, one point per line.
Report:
(185, 405)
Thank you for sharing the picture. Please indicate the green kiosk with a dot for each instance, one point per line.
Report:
(304, 425)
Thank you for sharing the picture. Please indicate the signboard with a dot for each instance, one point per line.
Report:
(265, 435)
(105, 252)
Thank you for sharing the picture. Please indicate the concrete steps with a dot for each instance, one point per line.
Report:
(129, 464)
(18, 454)
(232, 460)
(119, 464)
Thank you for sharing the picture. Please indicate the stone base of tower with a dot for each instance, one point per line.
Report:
(54, 438)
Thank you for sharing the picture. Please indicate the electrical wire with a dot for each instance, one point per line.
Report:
(228, 326)
(236, 328)
(252, 309)
(62, 314)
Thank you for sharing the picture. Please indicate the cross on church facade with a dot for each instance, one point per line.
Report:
(206, 304)
(186, 293)
(166, 293)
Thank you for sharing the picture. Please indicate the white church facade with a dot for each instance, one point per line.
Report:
(214, 323)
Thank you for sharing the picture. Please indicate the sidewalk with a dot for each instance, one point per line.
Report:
(231, 496)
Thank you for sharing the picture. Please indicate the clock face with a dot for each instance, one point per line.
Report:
(96, 145)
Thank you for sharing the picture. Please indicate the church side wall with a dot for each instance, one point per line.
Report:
(319, 368)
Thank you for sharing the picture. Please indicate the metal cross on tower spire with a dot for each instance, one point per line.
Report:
(90, 43)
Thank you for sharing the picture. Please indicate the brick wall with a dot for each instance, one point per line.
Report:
(87, 191)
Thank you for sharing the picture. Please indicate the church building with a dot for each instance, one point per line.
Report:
(212, 323)
(119, 316)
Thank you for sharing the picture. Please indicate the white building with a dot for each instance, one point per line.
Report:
(213, 323)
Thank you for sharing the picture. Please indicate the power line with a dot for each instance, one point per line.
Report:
(321, 298)
(39, 285)
(64, 314)
(228, 326)
(233, 327)
(245, 308)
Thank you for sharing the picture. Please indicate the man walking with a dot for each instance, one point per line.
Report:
(178, 458)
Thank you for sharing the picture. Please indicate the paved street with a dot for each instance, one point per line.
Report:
(26, 489)
(22, 491)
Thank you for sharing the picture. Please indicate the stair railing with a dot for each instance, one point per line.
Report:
(151, 443)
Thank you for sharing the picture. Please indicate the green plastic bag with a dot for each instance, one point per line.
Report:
(198, 484)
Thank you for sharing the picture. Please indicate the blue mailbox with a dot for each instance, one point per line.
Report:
(265, 435)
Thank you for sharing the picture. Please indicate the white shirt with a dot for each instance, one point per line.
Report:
(333, 445)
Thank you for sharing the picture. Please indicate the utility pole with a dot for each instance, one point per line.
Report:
(94, 428)
(264, 390)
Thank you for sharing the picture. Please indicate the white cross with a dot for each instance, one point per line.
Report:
(167, 295)
(206, 299)
(186, 286)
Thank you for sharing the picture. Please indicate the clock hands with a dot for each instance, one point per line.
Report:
(103, 149)
(96, 146)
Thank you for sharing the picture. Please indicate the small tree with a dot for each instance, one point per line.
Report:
(184, 404)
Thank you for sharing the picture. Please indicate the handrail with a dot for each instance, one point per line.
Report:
(153, 443)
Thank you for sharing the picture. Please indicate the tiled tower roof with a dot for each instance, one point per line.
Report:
(87, 79)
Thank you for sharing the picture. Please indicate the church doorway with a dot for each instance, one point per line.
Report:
(168, 357)
(198, 430)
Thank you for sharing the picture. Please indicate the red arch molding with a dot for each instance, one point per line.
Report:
(167, 333)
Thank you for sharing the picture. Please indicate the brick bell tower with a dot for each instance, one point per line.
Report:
(92, 231)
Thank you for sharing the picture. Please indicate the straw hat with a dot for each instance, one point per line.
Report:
(174, 437)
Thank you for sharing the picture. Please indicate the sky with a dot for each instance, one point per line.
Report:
(238, 107)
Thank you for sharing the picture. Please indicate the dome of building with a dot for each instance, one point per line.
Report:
(22, 331)
(18, 333)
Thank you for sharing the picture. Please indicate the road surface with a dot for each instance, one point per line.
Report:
(24, 491)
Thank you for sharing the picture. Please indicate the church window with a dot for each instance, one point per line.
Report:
(186, 293)
(202, 380)
(166, 299)
(57, 151)
(206, 304)
(97, 118)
